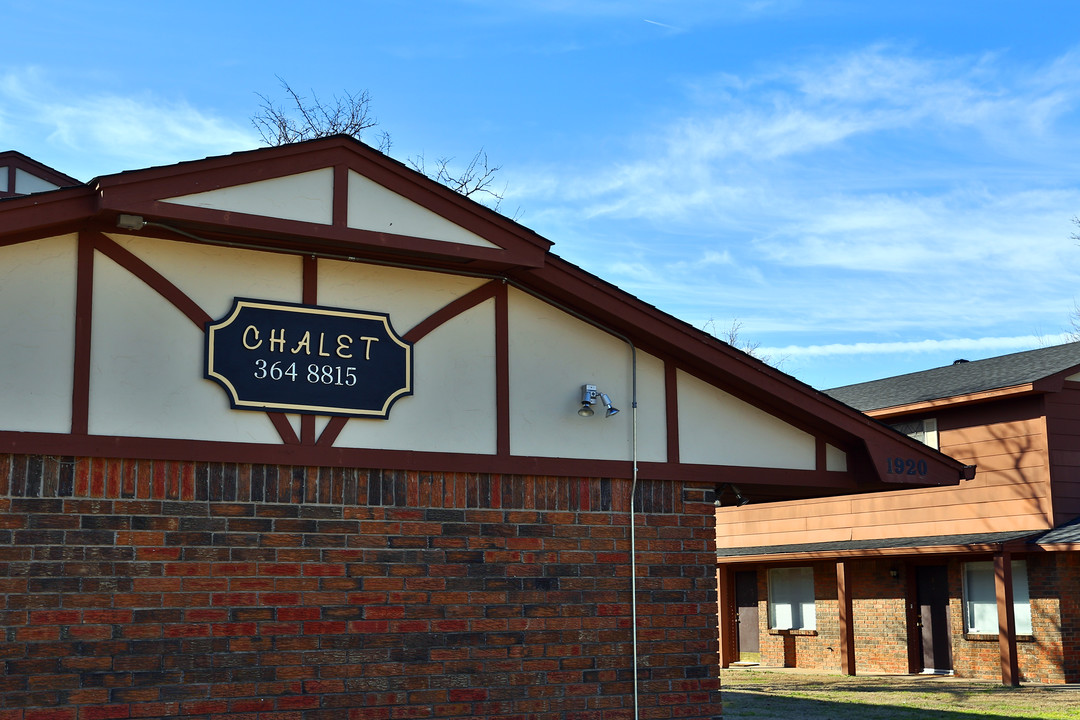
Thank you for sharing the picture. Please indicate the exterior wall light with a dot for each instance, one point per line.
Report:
(740, 500)
(589, 396)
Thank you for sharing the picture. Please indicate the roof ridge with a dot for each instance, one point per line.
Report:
(961, 378)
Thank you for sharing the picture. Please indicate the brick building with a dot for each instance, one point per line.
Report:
(930, 572)
(297, 432)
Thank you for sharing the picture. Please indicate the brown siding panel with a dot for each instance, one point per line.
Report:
(1010, 492)
(1063, 428)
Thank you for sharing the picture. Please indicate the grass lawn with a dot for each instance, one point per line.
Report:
(788, 695)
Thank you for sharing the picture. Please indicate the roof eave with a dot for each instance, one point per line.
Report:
(42, 213)
(969, 398)
(714, 359)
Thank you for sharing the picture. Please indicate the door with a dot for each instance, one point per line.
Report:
(932, 618)
(746, 616)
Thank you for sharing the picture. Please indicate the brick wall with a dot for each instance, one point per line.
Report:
(154, 589)
(880, 620)
(1051, 654)
(1068, 567)
(1042, 656)
(804, 649)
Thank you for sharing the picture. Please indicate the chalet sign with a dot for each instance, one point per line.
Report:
(308, 359)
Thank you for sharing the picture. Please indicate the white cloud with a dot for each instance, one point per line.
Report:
(876, 192)
(986, 344)
(1025, 231)
(839, 126)
(114, 132)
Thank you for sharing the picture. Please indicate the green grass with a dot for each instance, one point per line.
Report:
(799, 696)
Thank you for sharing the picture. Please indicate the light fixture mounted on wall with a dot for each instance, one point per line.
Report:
(589, 396)
(740, 500)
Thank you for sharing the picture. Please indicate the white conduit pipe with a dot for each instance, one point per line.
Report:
(633, 539)
(633, 468)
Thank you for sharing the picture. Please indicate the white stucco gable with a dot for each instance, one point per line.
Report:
(307, 197)
(373, 207)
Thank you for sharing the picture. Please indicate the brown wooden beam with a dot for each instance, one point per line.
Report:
(1003, 588)
(84, 313)
(725, 599)
(847, 619)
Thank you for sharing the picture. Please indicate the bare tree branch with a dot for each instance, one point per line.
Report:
(350, 114)
(302, 119)
(732, 337)
(477, 178)
(1073, 334)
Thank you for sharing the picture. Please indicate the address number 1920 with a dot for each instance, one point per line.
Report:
(905, 466)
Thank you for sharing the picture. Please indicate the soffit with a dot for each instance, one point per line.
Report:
(980, 542)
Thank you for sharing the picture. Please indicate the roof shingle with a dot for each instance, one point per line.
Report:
(960, 379)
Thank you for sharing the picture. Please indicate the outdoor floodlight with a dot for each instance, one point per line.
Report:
(589, 396)
(740, 500)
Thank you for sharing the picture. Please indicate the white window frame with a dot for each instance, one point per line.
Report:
(924, 430)
(791, 599)
(980, 598)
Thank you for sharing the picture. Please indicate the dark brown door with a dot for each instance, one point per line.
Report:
(746, 616)
(932, 618)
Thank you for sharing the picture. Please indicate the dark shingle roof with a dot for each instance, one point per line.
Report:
(1067, 533)
(960, 379)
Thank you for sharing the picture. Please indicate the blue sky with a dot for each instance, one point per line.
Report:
(866, 188)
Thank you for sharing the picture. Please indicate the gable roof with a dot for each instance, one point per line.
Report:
(235, 200)
(213, 198)
(21, 175)
(962, 378)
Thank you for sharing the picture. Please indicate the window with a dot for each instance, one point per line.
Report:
(925, 431)
(791, 599)
(980, 599)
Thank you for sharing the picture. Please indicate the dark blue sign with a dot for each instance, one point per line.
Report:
(308, 359)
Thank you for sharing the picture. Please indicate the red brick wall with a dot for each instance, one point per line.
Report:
(804, 649)
(881, 637)
(153, 589)
(1052, 582)
(1068, 567)
(880, 619)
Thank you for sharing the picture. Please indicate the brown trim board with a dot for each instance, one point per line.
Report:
(179, 299)
(502, 370)
(321, 456)
(862, 554)
(153, 279)
(671, 408)
(84, 313)
(420, 330)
